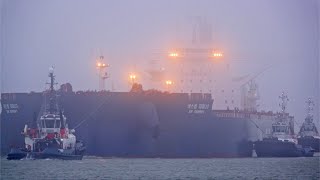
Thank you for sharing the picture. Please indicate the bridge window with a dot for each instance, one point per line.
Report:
(52, 123)
(49, 123)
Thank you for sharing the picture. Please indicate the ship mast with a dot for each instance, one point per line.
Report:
(52, 99)
(310, 105)
(284, 101)
(102, 74)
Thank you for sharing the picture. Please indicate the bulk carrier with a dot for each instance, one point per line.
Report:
(201, 111)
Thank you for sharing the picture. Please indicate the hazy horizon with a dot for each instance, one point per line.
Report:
(71, 34)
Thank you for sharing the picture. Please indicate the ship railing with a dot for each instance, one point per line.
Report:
(245, 114)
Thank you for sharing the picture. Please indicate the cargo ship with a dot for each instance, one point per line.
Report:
(141, 123)
(135, 124)
(194, 108)
(309, 135)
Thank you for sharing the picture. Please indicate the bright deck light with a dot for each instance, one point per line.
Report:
(217, 54)
(173, 54)
(132, 77)
(168, 82)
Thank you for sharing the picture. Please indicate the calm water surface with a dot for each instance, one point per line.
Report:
(119, 168)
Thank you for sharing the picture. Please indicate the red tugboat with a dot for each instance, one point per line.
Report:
(49, 137)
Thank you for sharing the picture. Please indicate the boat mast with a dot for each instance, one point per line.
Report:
(52, 99)
(284, 100)
(310, 105)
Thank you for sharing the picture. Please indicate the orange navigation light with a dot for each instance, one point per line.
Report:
(98, 64)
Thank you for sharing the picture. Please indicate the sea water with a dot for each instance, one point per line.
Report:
(158, 168)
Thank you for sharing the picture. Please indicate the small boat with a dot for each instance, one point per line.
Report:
(49, 137)
(282, 142)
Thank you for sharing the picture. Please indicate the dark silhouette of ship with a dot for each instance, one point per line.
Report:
(135, 124)
(309, 134)
(282, 142)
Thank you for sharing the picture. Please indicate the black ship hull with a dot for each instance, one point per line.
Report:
(135, 125)
(310, 141)
(49, 153)
(277, 148)
(16, 154)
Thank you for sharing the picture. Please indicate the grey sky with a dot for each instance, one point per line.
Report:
(36, 34)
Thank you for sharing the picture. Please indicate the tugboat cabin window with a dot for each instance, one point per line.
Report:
(280, 129)
(49, 123)
(52, 123)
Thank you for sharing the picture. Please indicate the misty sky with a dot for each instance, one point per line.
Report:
(36, 34)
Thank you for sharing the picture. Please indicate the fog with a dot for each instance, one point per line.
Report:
(70, 35)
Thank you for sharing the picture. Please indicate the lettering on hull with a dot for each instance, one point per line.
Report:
(10, 108)
(195, 108)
